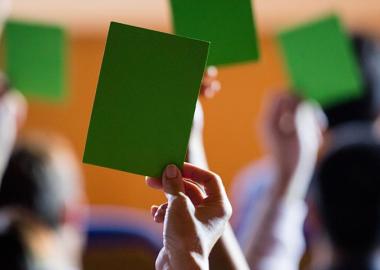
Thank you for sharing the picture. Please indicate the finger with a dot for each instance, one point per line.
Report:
(212, 72)
(153, 210)
(211, 83)
(209, 76)
(215, 86)
(321, 117)
(152, 182)
(214, 187)
(159, 216)
(172, 181)
(308, 127)
(212, 89)
(192, 189)
(194, 192)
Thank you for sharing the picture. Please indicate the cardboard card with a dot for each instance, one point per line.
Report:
(321, 62)
(35, 59)
(228, 25)
(145, 100)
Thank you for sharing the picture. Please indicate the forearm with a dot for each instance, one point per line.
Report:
(279, 227)
(261, 239)
(227, 254)
(196, 152)
(176, 259)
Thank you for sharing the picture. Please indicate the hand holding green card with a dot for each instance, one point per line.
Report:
(35, 59)
(321, 62)
(145, 100)
(228, 25)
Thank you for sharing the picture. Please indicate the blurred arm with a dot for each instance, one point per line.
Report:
(226, 253)
(277, 240)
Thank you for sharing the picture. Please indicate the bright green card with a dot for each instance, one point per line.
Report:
(145, 100)
(35, 59)
(228, 25)
(321, 61)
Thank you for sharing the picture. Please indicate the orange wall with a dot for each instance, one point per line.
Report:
(232, 117)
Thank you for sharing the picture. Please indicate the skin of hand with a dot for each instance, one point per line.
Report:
(194, 217)
(210, 83)
(209, 87)
(292, 131)
(12, 115)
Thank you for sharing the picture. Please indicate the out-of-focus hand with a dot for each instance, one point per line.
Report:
(12, 115)
(210, 86)
(194, 217)
(210, 83)
(292, 127)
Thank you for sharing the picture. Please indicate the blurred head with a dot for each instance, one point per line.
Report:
(348, 185)
(366, 107)
(14, 253)
(43, 180)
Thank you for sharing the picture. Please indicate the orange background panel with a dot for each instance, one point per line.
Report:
(231, 119)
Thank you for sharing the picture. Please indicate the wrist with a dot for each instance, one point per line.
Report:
(188, 261)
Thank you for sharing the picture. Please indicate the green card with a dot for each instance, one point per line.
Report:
(321, 61)
(145, 100)
(35, 59)
(228, 25)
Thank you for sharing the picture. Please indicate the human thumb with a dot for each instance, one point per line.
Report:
(172, 181)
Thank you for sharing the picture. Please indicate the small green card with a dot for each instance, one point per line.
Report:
(321, 61)
(228, 25)
(35, 59)
(145, 100)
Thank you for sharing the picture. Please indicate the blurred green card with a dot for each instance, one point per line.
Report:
(35, 59)
(145, 100)
(228, 25)
(321, 61)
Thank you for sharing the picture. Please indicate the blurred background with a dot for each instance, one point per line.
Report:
(233, 136)
(232, 119)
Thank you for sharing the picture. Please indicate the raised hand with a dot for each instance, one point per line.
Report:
(194, 216)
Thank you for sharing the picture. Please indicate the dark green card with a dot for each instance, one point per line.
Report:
(145, 100)
(228, 25)
(35, 59)
(321, 62)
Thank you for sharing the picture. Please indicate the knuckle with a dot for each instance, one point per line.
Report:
(180, 200)
(216, 177)
(228, 210)
(224, 210)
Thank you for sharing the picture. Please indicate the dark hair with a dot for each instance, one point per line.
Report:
(348, 190)
(13, 253)
(28, 183)
(365, 107)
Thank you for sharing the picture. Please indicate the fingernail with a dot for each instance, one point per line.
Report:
(212, 71)
(171, 171)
